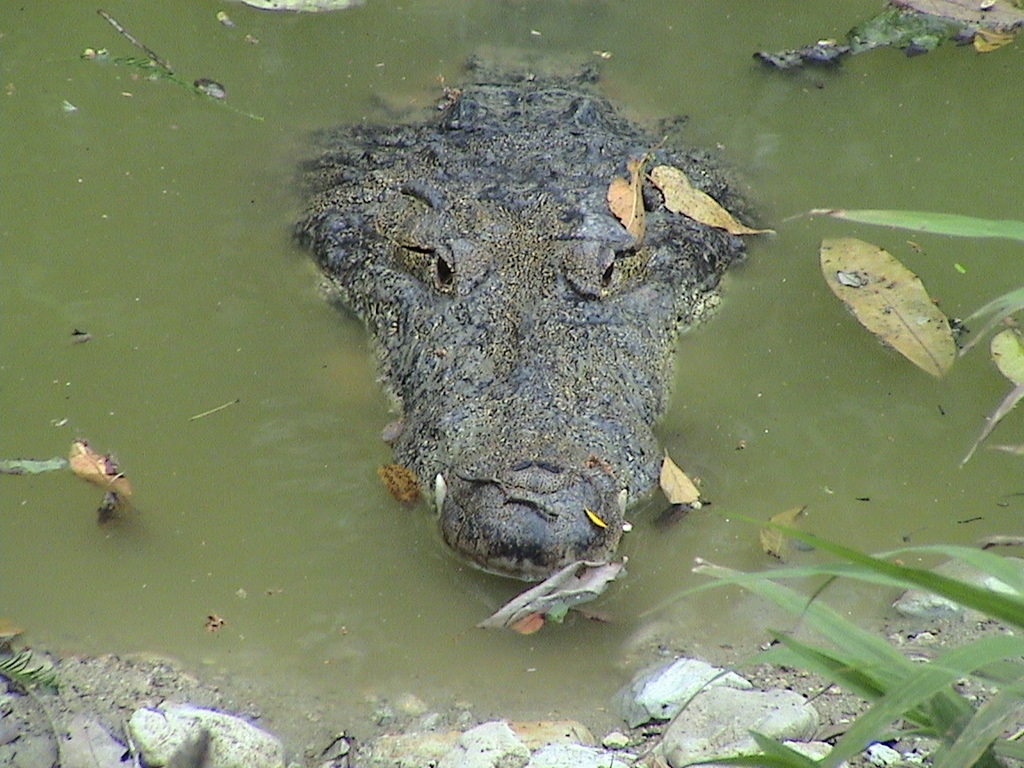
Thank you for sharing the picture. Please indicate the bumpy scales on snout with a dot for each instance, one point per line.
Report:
(526, 336)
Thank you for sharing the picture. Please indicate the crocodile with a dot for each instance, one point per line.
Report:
(526, 335)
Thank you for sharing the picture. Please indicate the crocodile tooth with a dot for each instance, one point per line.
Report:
(623, 497)
(440, 491)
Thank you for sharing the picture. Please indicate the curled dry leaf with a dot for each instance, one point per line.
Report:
(626, 198)
(890, 301)
(577, 583)
(682, 197)
(401, 482)
(97, 468)
(773, 541)
(676, 486)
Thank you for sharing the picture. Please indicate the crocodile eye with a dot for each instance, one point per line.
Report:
(444, 275)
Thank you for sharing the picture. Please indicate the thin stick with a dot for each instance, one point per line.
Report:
(214, 410)
(134, 41)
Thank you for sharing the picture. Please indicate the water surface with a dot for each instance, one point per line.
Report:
(159, 222)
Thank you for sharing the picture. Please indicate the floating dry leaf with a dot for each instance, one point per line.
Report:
(890, 301)
(214, 623)
(98, 468)
(626, 198)
(576, 583)
(676, 486)
(682, 197)
(773, 541)
(401, 482)
(1007, 349)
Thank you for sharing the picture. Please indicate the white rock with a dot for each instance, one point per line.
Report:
(882, 755)
(170, 730)
(574, 756)
(615, 740)
(661, 693)
(491, 745)
(920, 604)
(717, 723)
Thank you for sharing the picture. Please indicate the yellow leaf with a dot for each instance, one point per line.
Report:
(773, 542)
(1007, 349)
(890, 301)
(595, 519)
(676, 486)
(682, 197)
(626, 199)
(988, 40)
(97, 468)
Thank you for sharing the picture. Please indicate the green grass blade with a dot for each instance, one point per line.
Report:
(833, 667)
(1000, 308)
(1006, 608)
(927, 681)
(934, 223)
(1007, 748)
(865, 649)
(1007, 571)
(973, 747)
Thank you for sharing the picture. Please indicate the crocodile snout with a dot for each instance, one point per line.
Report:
(529, 519)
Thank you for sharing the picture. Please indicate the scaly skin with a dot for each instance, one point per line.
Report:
(526, 337)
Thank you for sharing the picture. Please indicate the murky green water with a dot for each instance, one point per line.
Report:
(159, 222)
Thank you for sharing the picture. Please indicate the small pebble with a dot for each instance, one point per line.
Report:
(881, 755)
(615, 740)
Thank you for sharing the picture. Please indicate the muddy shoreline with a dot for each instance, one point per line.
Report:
(37, 725)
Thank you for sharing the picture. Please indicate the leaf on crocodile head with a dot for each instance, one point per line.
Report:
(682, 197)
(626, 198)
(401, 482)
(99, 469)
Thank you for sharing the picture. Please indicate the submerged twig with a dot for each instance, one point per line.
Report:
(214, 410)
(156, 58)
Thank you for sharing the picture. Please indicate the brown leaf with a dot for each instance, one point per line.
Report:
(890, 301)
(214, 623)
(529, 624)
(626, 198)
(401, 482)
(774, 542)
(676, 486)
(682, 197)
(102, 470)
